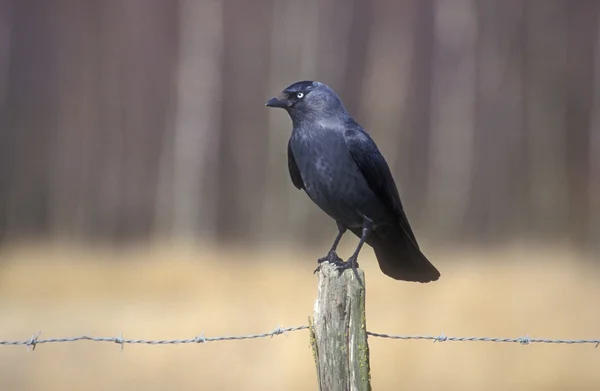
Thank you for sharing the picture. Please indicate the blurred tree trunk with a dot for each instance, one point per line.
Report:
(583, 18)
(73, 175)
(103, 150)
(31, 117)
(546, 209)
(413, 167)
(335, 22)
(355, 63)
(6, 27)
(186, 204)
(147, 96)
(453, 116)
(498, 174)
(593, 238)
(243, 151)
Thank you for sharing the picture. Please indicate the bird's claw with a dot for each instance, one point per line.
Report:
(331, 258)
(351, 263)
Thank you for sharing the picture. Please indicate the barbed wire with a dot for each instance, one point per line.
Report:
(35, 340)
(32, 342)
(526, 340)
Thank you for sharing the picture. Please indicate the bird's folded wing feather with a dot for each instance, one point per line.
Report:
(293, 167)
(376, 171)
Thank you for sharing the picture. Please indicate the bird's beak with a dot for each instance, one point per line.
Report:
(280, 100)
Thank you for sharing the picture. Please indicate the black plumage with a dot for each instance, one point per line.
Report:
(335, 161)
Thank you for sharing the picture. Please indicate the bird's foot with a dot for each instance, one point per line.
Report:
(331, 258)
(351, 263)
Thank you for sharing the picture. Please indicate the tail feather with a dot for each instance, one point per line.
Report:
(399, 256)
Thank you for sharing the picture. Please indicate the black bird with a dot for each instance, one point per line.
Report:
(339, 166)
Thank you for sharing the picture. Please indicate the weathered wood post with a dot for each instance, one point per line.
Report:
(339, 331)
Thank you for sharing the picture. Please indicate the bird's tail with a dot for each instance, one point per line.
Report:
(399, 255)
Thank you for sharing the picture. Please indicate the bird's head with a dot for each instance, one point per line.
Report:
(309, 100)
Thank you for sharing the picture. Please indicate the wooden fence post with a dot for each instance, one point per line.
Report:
(338, 331)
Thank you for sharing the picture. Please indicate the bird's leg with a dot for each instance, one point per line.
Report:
(352, 262)
(332, 256)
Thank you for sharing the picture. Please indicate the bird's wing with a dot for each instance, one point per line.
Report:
(294, 171)
(376, 171)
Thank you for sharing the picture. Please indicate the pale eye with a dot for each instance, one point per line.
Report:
(300, 95)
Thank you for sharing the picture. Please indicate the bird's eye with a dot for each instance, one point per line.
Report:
(300, 95)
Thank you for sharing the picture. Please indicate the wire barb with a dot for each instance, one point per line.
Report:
(120, 340)
(33, 341)
(440, 338)
(278, 330)
(200, 338)
(524, 340)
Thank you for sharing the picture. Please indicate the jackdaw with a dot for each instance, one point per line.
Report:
(333, 159)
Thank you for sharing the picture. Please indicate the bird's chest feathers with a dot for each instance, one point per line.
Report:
(323, 159)
(331, 177)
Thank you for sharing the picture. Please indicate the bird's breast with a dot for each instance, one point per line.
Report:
(324, 161)
(331, 177)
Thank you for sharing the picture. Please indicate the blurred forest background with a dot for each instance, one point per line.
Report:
(129, 119)
(127, 123)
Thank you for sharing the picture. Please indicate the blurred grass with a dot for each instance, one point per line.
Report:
(179, 291)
